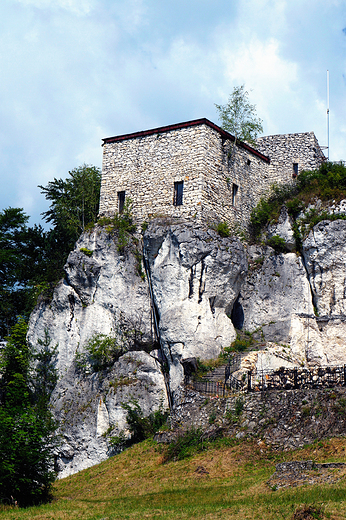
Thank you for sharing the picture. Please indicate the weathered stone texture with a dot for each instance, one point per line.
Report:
(196, 276)
(287, 149)
(276, 288)
(146, 169)
(284, 419)
(210, 164)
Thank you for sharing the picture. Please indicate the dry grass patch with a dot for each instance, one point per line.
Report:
(226, 482)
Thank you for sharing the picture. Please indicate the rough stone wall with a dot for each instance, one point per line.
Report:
(286, 149)
(146, 169)
(284, 419)
(227, 165)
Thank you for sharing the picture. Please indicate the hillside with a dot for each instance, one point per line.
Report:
(222, 482)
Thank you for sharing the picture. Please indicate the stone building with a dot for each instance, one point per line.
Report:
(196, 170)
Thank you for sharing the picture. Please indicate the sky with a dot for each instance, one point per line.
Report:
(75, 71)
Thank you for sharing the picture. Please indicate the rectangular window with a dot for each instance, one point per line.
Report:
(121, 201)
(295, 169)
(234, 194)
(178, 193)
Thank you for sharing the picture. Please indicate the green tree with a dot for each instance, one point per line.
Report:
(22, 265)
(27, 428)
(238, 116)
(74, 201)
(74, 206)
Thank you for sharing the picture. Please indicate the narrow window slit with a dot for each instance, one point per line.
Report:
(178, 193)
(121, 201)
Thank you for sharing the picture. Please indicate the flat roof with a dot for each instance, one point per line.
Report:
(186, 124)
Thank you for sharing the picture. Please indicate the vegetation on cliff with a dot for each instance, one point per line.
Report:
(32, 259)
(308, 200)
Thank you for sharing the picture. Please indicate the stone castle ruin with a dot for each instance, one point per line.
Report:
(196, 170)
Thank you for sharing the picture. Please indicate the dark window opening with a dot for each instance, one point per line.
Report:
(234, 194)
(121, 201)
(295, 169)
(178, 193)
(248, 162)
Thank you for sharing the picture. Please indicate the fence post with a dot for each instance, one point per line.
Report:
(249, 374)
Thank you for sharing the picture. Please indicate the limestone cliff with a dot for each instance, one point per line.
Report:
(202, 286)
(195, 275)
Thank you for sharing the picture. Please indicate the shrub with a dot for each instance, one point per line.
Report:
(143, 427)
(223, 229)
(326, 183)
(185, 445)
(122, 224)
(86, 251)
(101, 353)
(277, 243)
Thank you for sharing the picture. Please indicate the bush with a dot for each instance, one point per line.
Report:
(122, 224)
(185, 445)
(326, 183)
(143, 427)
(277, 243)
(223, 229)
(101, 353)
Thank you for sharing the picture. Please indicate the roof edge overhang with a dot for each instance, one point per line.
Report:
(187, 124)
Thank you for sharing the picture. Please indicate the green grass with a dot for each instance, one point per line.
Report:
(137, 484)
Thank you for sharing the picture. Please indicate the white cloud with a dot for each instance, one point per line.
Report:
(80, 7)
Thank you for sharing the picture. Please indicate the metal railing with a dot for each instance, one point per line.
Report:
(281, 379)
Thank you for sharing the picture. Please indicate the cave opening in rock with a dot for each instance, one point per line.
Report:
(237, 314)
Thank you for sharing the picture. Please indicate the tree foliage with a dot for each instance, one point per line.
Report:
(27, 428)
(238, 116)
(74, 201)
(22, 265)
(74, 204)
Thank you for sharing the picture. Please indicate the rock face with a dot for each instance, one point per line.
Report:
(196, 276)
(324, 252)
(90, 412)
(283, 229)
(100, 294)
(276, 288)
(203, 287)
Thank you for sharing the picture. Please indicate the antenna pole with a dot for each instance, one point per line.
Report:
(328, 111)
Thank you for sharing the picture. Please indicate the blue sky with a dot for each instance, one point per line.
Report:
(75, 71)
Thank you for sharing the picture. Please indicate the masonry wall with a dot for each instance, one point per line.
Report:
(146, 169)
(286, 149)
(227, 165)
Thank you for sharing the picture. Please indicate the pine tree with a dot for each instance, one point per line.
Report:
(27, 428)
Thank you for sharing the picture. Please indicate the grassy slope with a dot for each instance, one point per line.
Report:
(136, 485)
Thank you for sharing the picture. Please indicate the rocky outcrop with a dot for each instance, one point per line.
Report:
(283, 229)
(275, 289)
(90, 412)
(100, 294)
(203, 287)
(196, 276)
(324, 252)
